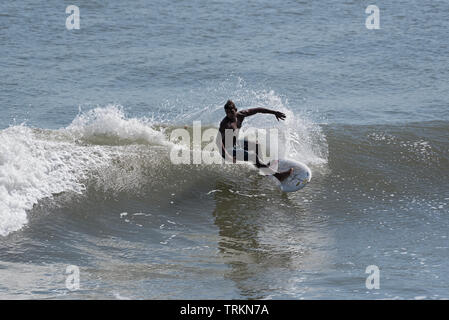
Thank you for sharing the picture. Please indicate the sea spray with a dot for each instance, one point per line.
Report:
(110, 125)
(34, 167)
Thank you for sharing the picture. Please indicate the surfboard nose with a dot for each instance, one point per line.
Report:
(309, 175)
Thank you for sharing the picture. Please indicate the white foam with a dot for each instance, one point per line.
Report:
(36, 164)
(111, 121)
(33, 167)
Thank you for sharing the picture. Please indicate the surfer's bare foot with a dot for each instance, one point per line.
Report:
(281, 176)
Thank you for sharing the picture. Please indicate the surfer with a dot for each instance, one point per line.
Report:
(234, 120)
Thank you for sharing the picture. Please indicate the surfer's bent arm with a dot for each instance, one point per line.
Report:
(253, 111)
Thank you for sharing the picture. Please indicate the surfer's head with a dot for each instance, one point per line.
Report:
(230, 109)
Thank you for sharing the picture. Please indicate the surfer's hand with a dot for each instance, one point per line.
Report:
(279, 115)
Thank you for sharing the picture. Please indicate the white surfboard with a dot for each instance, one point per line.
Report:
(297, 180)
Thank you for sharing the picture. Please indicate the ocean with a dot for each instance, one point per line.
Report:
(92, 207)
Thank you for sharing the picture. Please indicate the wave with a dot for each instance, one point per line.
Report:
(408, 161)
(103, 153)
(414, 149)
(102, 150)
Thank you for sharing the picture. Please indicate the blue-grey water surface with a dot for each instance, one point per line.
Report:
(86, 179)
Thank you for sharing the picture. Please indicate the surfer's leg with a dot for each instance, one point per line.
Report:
(258, 163)
(281, 176)
(245, 150)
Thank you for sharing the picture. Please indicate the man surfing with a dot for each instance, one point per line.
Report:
(234, 120)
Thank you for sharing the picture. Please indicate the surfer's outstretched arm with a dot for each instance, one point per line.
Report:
(253, 111)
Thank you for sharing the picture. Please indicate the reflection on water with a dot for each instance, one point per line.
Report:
(265, 239)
